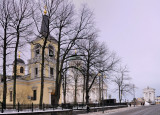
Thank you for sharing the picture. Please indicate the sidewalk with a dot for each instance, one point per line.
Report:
(108, 112)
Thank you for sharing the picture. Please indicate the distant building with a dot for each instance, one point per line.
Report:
(157, 99)
(149, 94)
(139, 101)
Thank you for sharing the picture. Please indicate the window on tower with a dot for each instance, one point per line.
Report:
(36, 72)
(21, 70)
(51, 51)
(10, 96)
(51, 71)
(37, 50)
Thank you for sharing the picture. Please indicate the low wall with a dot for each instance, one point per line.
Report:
(65, 112)
(96, 109)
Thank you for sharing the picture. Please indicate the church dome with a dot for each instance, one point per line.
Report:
(19, 60)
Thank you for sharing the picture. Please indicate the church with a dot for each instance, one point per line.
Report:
(28, 85)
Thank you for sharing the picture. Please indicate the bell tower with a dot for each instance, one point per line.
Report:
(34, 64)
(20, 67)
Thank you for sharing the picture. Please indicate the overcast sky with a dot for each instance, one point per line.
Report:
(132, 29)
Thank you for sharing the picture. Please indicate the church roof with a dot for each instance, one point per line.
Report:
(19, 60)
(148, 88)
(45, 26)
(44, 30)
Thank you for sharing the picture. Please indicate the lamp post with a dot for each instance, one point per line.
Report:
(134, 93)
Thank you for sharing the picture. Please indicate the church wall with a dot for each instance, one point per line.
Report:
(48, 88)
(46, 70)
(24, 91)
(28, 86)
(21, 94)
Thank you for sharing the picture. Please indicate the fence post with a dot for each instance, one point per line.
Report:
(2, 107)
(32, 106)
(53, 106)
(43, 106)
(18, 106)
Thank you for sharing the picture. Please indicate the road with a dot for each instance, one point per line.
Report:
(144, 110)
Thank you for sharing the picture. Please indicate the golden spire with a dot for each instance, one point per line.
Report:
(19, 54)
(45, 10)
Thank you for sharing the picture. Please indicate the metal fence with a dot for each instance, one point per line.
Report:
(35, 107)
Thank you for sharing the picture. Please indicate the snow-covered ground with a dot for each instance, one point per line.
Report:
(13, 111)
(107, 112)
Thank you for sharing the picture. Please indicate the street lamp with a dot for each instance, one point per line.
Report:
(134, 93)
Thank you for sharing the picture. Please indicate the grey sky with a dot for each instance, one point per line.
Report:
(132, 29)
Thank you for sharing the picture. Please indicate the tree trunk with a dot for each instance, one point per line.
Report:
(87, 82)
(15, 71)
(119, 94)
(64, 88)
(75, 92)
(87, 79)
(58, 73)
(42, 73)
(99, 89)
(83, 87)
(4, 67)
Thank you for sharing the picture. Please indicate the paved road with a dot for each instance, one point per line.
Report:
(144, 110)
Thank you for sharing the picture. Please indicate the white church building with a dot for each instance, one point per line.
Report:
(149, 94)
(76, 80)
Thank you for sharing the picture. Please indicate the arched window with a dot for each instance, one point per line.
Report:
(51, 51)
(51, 71)
(37, 49)
(21, 69)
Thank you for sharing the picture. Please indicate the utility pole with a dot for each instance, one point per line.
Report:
(134, 93)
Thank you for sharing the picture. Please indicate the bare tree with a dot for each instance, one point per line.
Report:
(76, 76)
(95, 57)
(65, 80)
(6, 12)
(21, 22)
(121, 79)
(68, 30)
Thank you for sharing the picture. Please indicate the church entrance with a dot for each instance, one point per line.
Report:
(53, 99)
